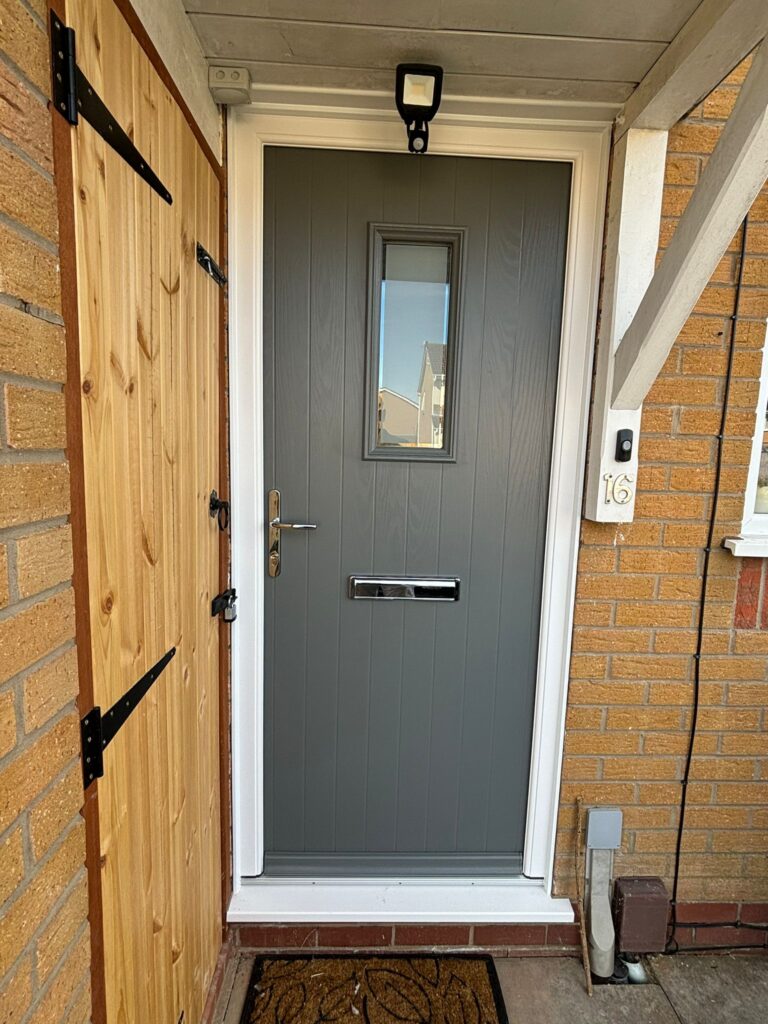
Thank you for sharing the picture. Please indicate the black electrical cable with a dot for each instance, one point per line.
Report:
(715, 949)
(727, 924)
(672, 946)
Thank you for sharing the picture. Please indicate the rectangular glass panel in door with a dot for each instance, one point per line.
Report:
(413, 296)
(413, 338)
(398, 732)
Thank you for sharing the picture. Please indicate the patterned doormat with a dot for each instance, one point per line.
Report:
(384, 989)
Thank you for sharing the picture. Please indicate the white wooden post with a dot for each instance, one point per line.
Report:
(631, 243)
(729, 184)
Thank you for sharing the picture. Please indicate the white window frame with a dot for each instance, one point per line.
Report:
(753, 539)
(586, 147)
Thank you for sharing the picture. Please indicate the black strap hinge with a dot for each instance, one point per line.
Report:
(73, 95)
(97, 731)
(210, 266)
(224, 604)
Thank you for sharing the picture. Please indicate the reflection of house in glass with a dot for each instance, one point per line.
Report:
(398, 419)
(407, 424)
(432, 396)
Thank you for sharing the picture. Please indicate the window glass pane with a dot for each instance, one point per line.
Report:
(413, 345)
(761, 498)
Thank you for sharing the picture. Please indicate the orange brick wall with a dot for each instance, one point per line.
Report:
(44, 940)
(639, 588)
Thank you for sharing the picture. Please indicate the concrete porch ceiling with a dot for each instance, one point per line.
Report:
(585, 53)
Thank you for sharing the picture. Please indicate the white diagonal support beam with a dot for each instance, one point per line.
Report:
(718, 35)
(729, 184)
(631, 244)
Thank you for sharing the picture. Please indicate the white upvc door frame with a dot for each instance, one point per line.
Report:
(586, 147)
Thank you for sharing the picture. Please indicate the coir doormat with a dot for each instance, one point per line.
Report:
(389, 989)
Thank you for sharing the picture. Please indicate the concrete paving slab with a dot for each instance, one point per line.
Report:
(549, 990)
(719, 989)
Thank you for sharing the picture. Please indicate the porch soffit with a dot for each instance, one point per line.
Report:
(582, 55)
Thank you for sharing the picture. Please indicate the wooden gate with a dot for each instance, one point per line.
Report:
(148, 321)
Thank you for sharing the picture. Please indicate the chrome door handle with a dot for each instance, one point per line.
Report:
(276, 527)
(275, 524)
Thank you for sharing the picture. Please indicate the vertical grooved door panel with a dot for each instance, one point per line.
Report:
(149, 355)
(398, 733)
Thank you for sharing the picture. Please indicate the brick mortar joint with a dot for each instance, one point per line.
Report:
(25, 530)
(33, 457)
(34, 15)
(29, 235)
(17, 151)
(48, 316)
(41, 992)
(30, 740)
(24, 80)
(19, 381)
(36, 666)
(12, 566)
(25, 604)
(28, 883)
(85, 985)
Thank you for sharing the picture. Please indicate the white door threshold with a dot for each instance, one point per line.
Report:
(510, 901)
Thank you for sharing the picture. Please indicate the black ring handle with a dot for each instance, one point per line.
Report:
(218, 509)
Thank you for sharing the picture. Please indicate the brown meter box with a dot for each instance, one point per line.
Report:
(640, 913)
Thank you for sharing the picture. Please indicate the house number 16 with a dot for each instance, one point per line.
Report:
(618, 489)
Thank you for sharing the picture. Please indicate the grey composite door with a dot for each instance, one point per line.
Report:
(412, 331)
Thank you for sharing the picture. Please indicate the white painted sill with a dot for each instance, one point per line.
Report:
(499, 900)
(755, 546)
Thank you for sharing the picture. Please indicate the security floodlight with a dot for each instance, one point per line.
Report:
(417, 94)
